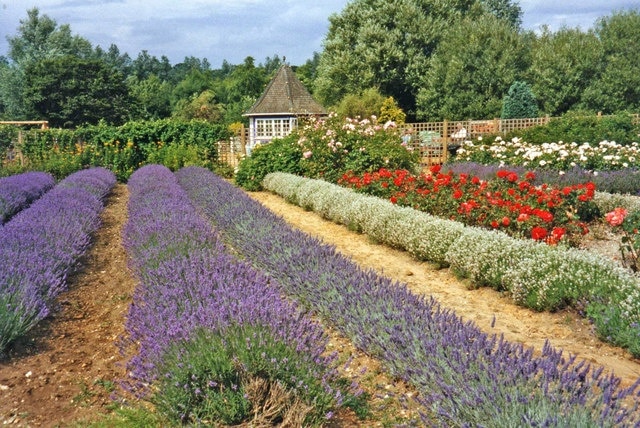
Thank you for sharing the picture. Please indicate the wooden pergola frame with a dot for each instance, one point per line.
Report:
(44, 124)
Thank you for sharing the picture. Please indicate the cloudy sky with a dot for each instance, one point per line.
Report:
(234, 29)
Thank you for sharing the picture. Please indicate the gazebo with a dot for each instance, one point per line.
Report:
(276, 112)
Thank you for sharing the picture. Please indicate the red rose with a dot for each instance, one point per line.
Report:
(538, 233)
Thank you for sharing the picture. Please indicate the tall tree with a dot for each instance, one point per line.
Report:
(113, 58)
(38, 38)
(562, 66)
(145, 65)
(70, 91)
(472, 70)
(151, 98)
(617, 88)
(383, 44)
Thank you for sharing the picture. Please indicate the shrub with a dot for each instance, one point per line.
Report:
(18, 191)
(623, 181)
(326, 149)
(41, 245)
(519, 102)
(582, 127)
(207, 328)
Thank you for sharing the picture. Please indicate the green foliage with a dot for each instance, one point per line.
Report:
(151, 97)
(377, 43)
(581, 127)
(613, 326)
(562, 66)
(390, 111)
(327, 149)
(616, 87)
(202, 106)
(176, 156)
(282, 155)
(364, 104)
(123, 149)
(127, 417)
(473, 67)
(240, 373)
(70, 91)
(520, 102)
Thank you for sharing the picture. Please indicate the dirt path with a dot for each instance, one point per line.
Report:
(66, 368)
(564, 330)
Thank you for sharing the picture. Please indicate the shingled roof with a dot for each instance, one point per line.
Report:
(285, 95)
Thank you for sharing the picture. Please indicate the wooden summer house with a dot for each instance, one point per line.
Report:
(276, 113)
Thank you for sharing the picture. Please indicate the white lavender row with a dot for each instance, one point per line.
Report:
(190, 288)
(18, 191)
(536, 275)
(464, 376)
(41, 245)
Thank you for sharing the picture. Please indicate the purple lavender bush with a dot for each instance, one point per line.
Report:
(207, 329)
(623, 181)
(40, 246)
(464, 376)
(18, 191)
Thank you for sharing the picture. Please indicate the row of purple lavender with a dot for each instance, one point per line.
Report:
(18, 191)
(206, 328)
(464, 376)
(41, 245)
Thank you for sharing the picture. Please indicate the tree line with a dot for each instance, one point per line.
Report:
(456, 60)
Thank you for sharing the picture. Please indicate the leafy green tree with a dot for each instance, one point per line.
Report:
(505, 10)
(145, 65)
(38, 38)
(151, 98)
(383, 44)
(520, 102)
(180, 71)
(472, 70)
(617, 88)
(194, 83)
(562, 66)
(113, 58)
(308, 72)
(201, 107)
(364, 105)
(70, 91)
(240, 89)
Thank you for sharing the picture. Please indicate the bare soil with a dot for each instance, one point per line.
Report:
(64, 371)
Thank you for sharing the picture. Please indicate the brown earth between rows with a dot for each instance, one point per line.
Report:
(65, 370)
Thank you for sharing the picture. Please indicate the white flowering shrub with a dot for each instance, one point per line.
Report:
(285, 185)
(432, 239)
(550, 278)
(606, 155)
(485, 256)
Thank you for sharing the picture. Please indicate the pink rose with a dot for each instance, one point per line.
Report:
(616, 217)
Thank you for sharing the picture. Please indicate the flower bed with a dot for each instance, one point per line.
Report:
(40, 246)
(464, 377)
(18, 191)
(507, 202)
(208, 329)
(560, 156)
(536, 275)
